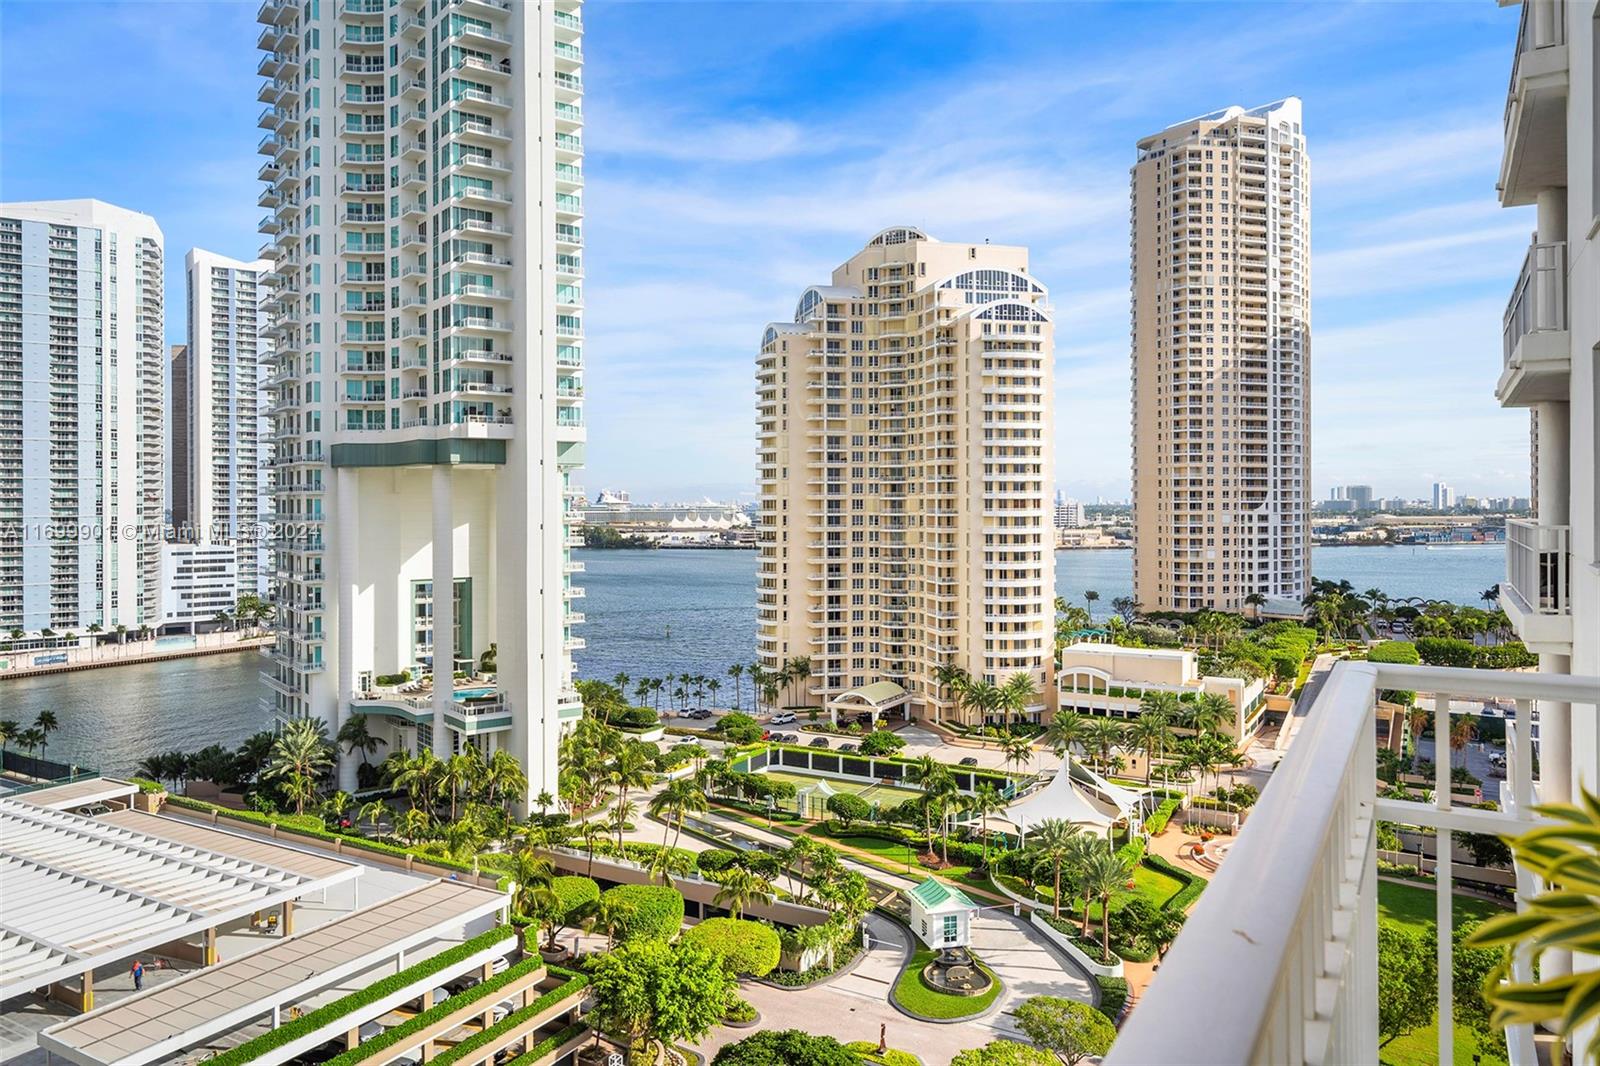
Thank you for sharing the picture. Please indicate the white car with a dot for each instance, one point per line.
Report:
(781, 719)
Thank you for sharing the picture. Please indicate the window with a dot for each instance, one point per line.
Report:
(951, 928)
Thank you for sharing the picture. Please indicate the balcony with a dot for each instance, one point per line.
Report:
(1538, 355)
(1537, 592)
(1536, 106)
(1291, 918)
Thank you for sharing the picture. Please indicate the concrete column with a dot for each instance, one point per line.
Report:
(1555, 719)
(444, 607)
(208, 954)
(1552, 208)
(87, 1000)
(286, 921)
(347, 533)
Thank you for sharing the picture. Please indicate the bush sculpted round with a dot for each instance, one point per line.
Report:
(655, 911)
(750, 948)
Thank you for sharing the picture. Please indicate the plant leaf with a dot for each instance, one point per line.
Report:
(1507, 929)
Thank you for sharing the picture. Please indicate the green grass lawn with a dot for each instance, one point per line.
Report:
(916, 996)
(894, 856)
(1152, 885)
(1413, 906)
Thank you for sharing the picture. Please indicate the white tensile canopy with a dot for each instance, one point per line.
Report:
(1059, 799)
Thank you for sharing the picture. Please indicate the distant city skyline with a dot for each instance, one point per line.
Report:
(718, 194)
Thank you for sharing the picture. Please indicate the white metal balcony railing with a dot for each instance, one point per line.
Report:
(1291, 917)
(1539, 566)
(1542, 25)
(1538, 302)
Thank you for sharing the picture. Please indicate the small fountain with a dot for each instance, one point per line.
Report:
(955, 972)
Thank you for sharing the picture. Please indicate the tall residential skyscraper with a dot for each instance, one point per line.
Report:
(425, 197)
(81, 438)
(906, 464)
(178, 481)
(216, 397)
(1221, 359)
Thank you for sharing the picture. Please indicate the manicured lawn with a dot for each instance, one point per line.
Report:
(894, 856)
(916, 996)
(1152, 885)
(1413, 906)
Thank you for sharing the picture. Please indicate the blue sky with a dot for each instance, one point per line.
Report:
(738, 152)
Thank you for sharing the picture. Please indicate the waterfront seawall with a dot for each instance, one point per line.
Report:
(36, 663)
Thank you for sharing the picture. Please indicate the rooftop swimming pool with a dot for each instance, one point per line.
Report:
(464, 694)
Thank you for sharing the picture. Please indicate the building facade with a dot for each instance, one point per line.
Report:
(906, 464)
(216, 398)
(82, 488)
(1069, 513)
(178, 370)
(198, 582)
(424, 170)
(1221, 415)
(1551, 161)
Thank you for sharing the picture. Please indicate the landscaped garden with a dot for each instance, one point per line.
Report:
(913, 992)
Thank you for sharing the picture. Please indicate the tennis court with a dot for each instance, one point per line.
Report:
(870, 791)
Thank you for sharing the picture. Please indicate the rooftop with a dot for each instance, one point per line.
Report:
(935, 895)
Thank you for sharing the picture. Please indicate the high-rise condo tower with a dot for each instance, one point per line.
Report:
(1221, 259)
(424, 197)
(906, 466)
(218, 490)
(81, 410)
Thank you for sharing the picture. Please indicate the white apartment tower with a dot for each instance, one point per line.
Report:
(1221, 254)
(906, 460)
(216, 394)
(1551, 161)
(424, 190)
(81, 411)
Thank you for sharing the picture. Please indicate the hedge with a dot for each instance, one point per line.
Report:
(515, 1018)
(309, 1023)
(572, 892)
(714, 860)
(657, 911)
(751, 949)
(1113, 995)
(398, 1035)
(548, 1044)
(1193, 885)
(868, 1050)
(312, 826)
(1161, 816)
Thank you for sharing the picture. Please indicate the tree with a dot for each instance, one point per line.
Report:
(355, 737)
(749, 949)
(46, 724)
(1074, 1031)
(1103, 876)
(1408, 987)
(849, 807)
(335, 804)
(10, 730)
(673, 803)
(629, 769)
(739, 728)
(986, 800)
(1065, 730)
(789, 1047)
(607, 914)
(1053, 841)
(504, 778)
(1090, 597)
(1015, 696)
(656, 995)
(1017, 751)
(740, 888)
(301, 749)
(736, 671)
(1127, 608)
(1471, 968)
(881, 742)
(1004, 1053)
(372, 813)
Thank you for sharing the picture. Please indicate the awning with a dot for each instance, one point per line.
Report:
(1059, 799)
(878, 696)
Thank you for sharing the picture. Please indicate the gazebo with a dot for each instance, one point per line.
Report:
(1059, 799)
(876, 698)
(818, 793)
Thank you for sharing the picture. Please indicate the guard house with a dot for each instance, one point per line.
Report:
(941, 914)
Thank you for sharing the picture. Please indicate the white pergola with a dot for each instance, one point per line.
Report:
(876, 698)
(78, 893)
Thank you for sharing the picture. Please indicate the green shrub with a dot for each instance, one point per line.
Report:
(740, 1010)
(715, 860)
(750, 949)
(147, 786)
(786, 1047)
(1161, 816)
(548, 1044)
(393, 679)
(635, 718)
(881, 742)
(1113, 994)
(1193, 885)
(657, 911)
(310, 1022)
(573, 892)
(484, 1037)
(849, 807)
(890, 1057)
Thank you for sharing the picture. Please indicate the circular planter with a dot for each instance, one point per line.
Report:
(751, 1024)
(560, 954)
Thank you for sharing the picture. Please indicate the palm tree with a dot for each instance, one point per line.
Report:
(302, 748)
(1065, 730)
(1053, 840)
(1089, 597)
(740, 888)
(629, 768)
(1463, 731)
(1017, 693)
(621, 814)
(1208, 713)
(457, 771)
(1147, 734)
(954, 680)
(10, 729)
(1017, 751)
(800, 671)
(337, 804)
(986, 800)
(300, 788)
(418, 775)
(1104, 875)
(503, 776)
(609, 915)
(1255, 601)
(736, 671)
(928, 772)
(1102, 736)
(355, 736)
(414, 823)
(673, 803)
(712, 685)
(1084, 849)
(373, 812)
(46, 724)
(530, 872)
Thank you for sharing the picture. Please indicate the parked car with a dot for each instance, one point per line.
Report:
(970, 760)
(699, 712)
(819, 742)
(847, 747)
(782, 718)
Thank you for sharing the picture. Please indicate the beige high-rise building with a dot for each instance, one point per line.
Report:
(906, 468)
(1221, 361)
